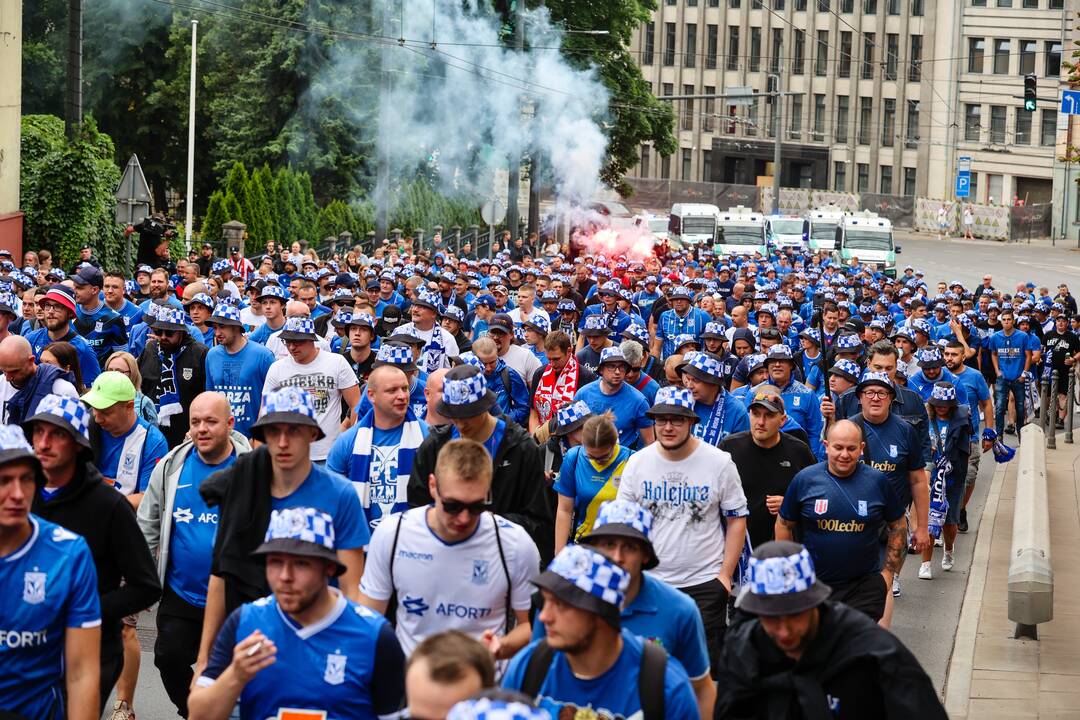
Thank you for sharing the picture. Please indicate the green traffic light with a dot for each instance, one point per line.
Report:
(1029, 105)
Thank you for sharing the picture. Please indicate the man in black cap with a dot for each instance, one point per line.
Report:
(501, 330)
(791, 652)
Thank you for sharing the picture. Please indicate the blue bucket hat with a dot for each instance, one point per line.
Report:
(782, 581)
(301, 531)
(624, 518)
(288, 405)
(587, 580)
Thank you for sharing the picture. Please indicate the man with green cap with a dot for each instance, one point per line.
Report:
(792, 652)
(125, 445)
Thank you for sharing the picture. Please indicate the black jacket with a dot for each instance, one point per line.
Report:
(864, 670)
(518, 488)
(190, 375)
(92, 508)
(242, 490)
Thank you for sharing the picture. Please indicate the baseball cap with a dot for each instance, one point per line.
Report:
(88, 275)
(109, 388)
(768, 397)
(501, 322)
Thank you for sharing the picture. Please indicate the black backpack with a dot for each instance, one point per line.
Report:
(650, 676)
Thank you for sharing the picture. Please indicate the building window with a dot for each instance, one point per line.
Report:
(847, 6)
(1027, 57)
(691, 3)
(972, 126)
(1031, 4)
(916, 8)
(686, 163)
(665, 167)
(978, 3)
(644, 161)
(892, 7)
(1023, 127)
(710, 110)
(997, 124)
(733, 47)
(800, 5)
(1004, 3)
(1053, 59)
(869, 7)
(777, 50)
(755, 49)
(892, 50)
(1001, 57)
(1048, 129)
(751, 127)
(669, 44)
(819, 118)
(690, 53)
(844, 65)
(706, 165)
(649, 45)
(1056, 5)
(994, 188)
(800, 50)
(915, 68)
(886, 179)
(909, 181)
(868, 56)
(688, 112)
(821, 60)
(733, 120)
(974, 191)
(866, 114)
(668, 89)
(824, 5)
(976, 51)
(912, 134)
(888, 122)
(710, 46)
(864, 178)
(841, 118)
(839, 176)
(795, 124)
(734, 3)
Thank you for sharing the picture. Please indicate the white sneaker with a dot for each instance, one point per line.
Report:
(938, 542)
(121, 711)
(947, 561)
(925, 572)
(896, 587)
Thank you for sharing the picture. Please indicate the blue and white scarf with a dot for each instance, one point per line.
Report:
(434, 352)
(712, 431)
(939, 503)
(168, 399)
(412, 434)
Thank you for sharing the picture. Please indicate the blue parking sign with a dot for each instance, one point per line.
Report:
(963, 185)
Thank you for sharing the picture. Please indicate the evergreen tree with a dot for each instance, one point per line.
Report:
(216, 216)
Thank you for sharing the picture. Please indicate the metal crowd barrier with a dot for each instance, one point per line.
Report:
(1070, 406)
(1031, 577)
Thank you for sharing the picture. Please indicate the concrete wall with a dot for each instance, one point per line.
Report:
(10, 113)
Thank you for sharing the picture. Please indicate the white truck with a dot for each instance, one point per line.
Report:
(869, 239)
(691, 224)
(740, 231)
(823, 223)
(787, 231)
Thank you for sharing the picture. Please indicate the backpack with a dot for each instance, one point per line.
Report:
(650, 676)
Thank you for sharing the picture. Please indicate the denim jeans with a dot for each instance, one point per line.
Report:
(1002, 388)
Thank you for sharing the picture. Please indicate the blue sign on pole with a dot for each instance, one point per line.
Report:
(1070, 102)
(963, 185)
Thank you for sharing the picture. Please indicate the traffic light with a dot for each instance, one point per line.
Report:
(1030, 93)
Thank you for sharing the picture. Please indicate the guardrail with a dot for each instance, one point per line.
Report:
(1031, 577)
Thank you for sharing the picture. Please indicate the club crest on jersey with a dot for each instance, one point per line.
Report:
(821, 506)
(335, 669)
(892, 451)
(479, 572)
(188, 373)
(862, 508)
(34, 587)
(99, 326)
(129, 463)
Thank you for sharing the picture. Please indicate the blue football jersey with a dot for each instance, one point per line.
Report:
(47, 585)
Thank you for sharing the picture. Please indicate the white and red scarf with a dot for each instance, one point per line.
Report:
(556, 391)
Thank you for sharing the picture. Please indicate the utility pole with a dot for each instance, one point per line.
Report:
(73, 99)
(515, 160)
(189, 205)
(777, 98)
(382, 171)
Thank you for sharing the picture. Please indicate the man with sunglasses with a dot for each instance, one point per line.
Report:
(173, 370)
(452, 565)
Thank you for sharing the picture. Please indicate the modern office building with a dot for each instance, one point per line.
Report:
(881, 96)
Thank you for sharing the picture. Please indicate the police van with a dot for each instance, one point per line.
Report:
(691, 224)
(823, 223)
(868, 238)
(740, 231)
(787, 231)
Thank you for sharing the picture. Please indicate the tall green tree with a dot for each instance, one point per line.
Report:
(215, 217)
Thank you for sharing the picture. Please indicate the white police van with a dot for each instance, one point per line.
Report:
(740, 231)
(691, 224)
(868, 238)
(787, 231)
(823, 223)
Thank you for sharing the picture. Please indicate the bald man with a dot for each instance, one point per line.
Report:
(274, 343)
(25, 382)
(179, 528)
(377, 453)
(432, 393)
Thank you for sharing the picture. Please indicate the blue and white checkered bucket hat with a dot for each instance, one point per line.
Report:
(847, 343)
(396, 354)
(587, 580)
(364, 319)
(704, 366)
(537, 322)
(595, 325)
(342, 317)
(200, 299)
(624, 518)
(14, 446)
(287, 405)
(782, 581)
(64, 412)
(298, 328)
(272, 291)
(465, 393)
(221, 266)
(943, 394)
(226, 314)
(494, 709)
(170, 319)
(301, 531)
(570, 417)
(674, 400)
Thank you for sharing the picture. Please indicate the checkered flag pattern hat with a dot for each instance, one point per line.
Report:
(288, 400)
(638, 332)
(430, 299)
(342, 295)
(573, 413)
(13, 444)
(769, 308)
(610, 288)
(568, 306)
(595, 322)
(549, 296)
(469, 358)
(921, 326)
(464, 391)
(362, 318)
(612, 354)
(169, 314)
(30, 271)
(813, 334)
(706, 363)
(591, 572)
(682, 293)
(57, 273)
(673, 396)
(304, 524)
(454, 313)
(928, 356)
(68, 409)
(300, 324)
(848, 367)
(8, 302)
(226, 312)
(221, 266)
(202, 299)
(753, 362)
(779, 352)
(538, 322)
(686, 339)
(848, 342)
(342, 317)
(943, 392)
(490, 709)
(714, 328)
(154, 311)
(624, 512)
(782, 575)
(272, 291)
(395, 355)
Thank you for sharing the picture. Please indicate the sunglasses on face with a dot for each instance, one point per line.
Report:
(455, 507)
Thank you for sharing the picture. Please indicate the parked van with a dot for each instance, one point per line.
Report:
(869, 238)
(691, 224)
(787, 231)
(740, 231)
(823, 223)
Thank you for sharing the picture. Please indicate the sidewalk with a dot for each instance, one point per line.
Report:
(991, 675)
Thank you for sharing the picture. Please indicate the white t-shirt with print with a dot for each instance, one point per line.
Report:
(460, 586)
(686, 499)
(324, 377)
